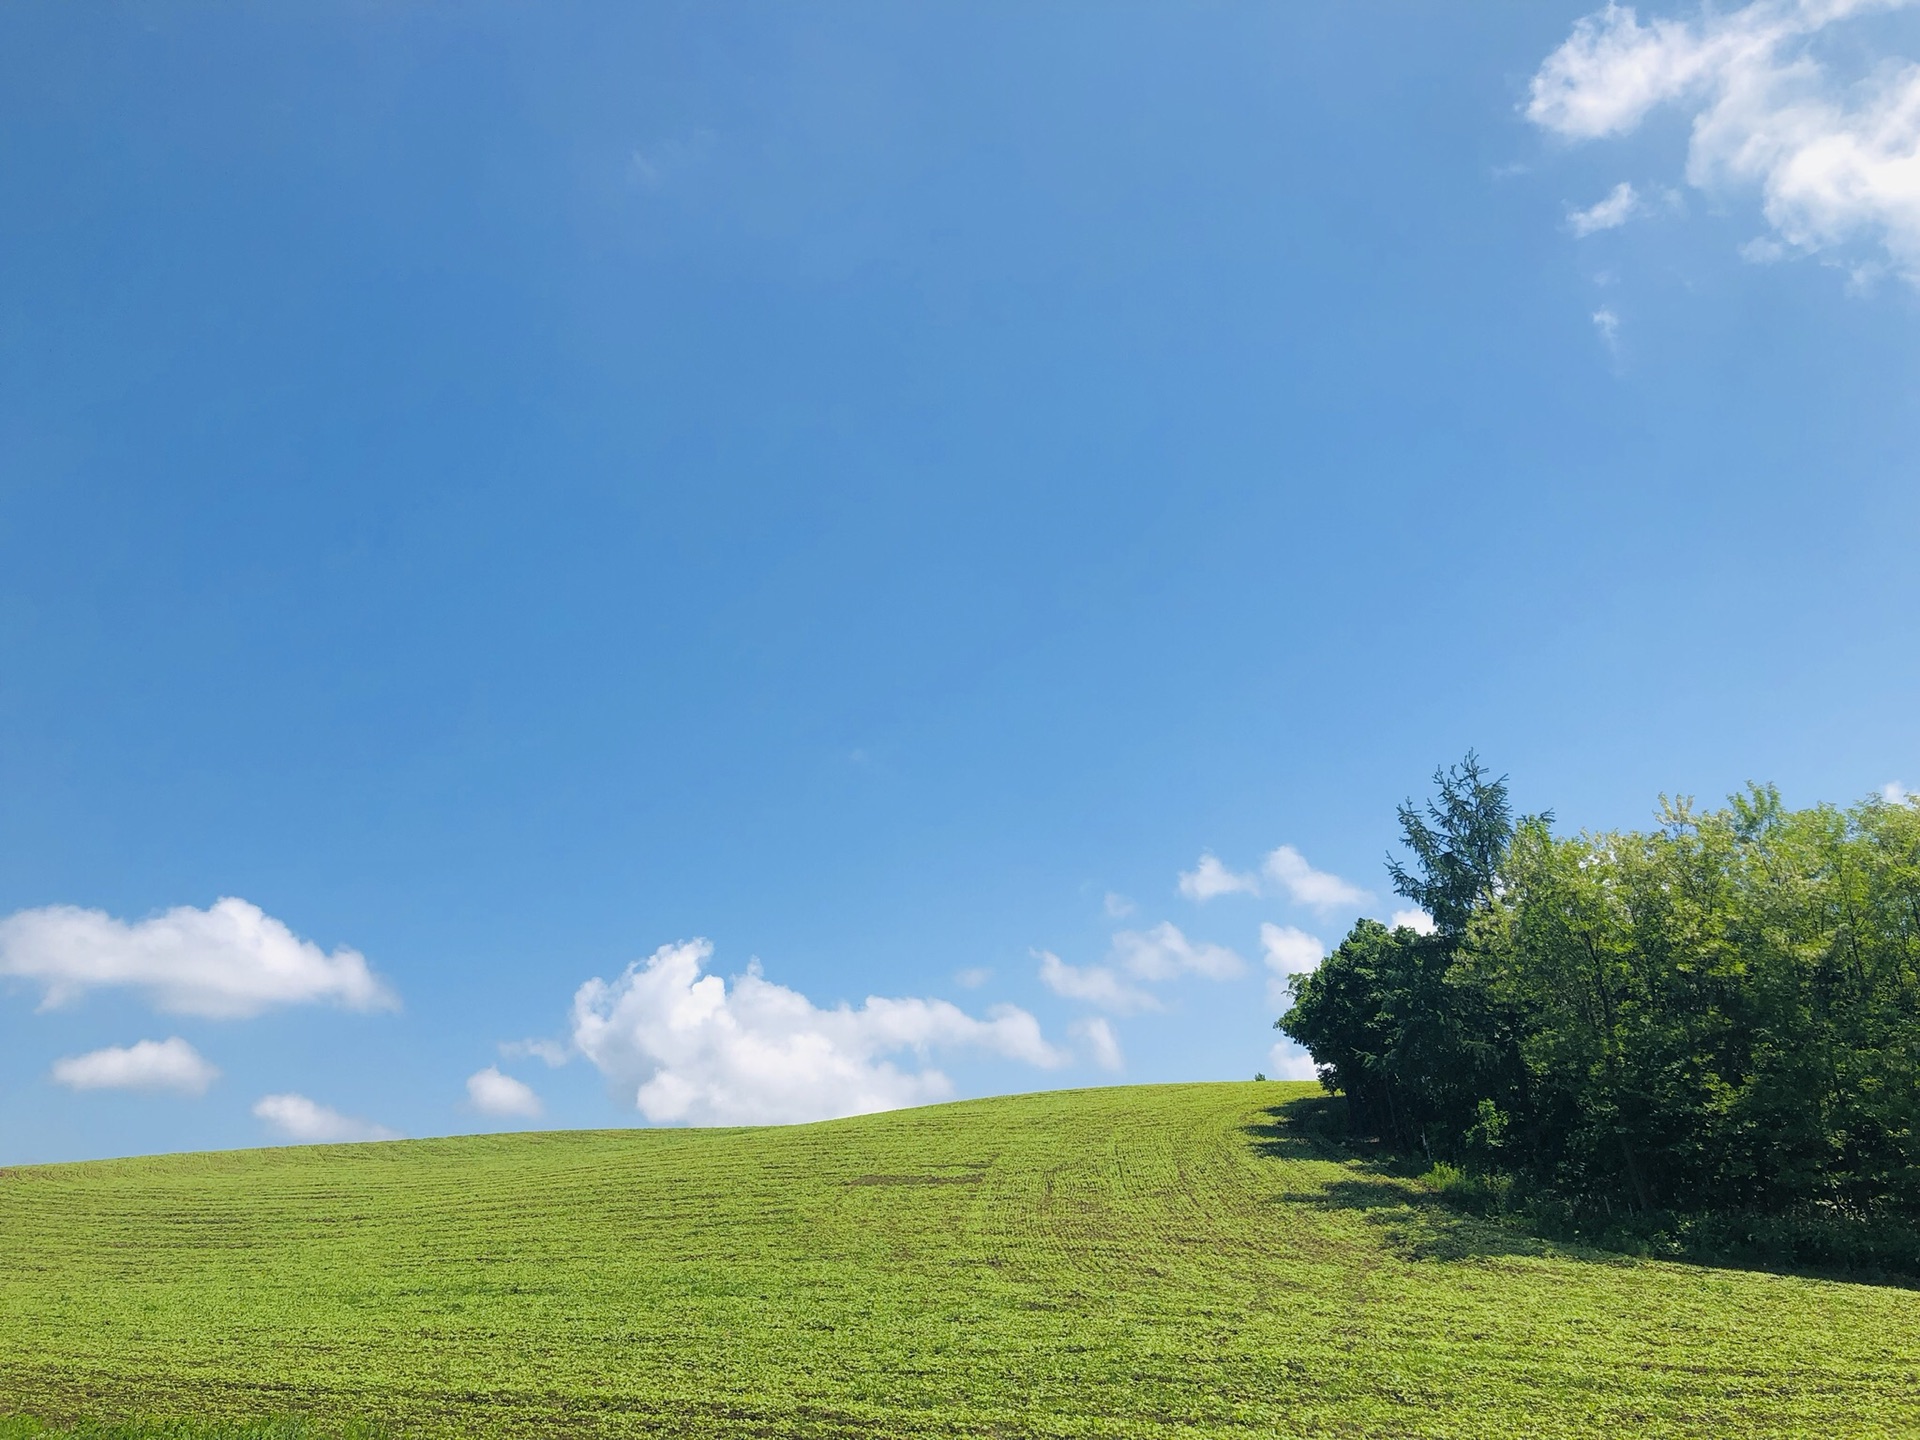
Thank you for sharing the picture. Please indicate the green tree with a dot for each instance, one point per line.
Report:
(1457, 845)
(1717, 1016)
(1385, 1016)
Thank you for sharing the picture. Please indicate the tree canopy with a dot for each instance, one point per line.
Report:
(1719, 1014)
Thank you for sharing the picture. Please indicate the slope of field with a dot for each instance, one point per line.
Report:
(1101, 1262)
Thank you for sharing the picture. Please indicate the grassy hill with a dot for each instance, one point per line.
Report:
(1122, 1262)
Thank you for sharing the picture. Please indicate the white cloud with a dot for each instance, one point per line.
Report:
(689, 1049)
(1163, 953)
(1620, 206)
(304, 1120)
(974, 978)
(1100, 1039)
(1095, 984)
(1896, 793)
(1288, 952)
(1305, 885)
(1835, 160)
(1608, 325)
(1210, 878)
(1287, 1061)
(228, 961)
(170, 1064)
(1285, 867)
(493, 1093)
(1612, 71)
(1416, 920)
(551, 1052)
(1118, 906)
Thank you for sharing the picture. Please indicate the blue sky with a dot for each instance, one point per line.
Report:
(856, 501)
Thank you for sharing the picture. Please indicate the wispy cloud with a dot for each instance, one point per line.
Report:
(1620, 206)
(1094, 985)
(1163, 953)
(1100, 1041)
(551, 1053)
(493, 1093)
(689, 1048)
(1607, 325)
(297, 1118)
(170, 1064)
(1835, 159)
(660, 161)
(972, 978)
(227, 961)
(1895, 793)
(1118, 906)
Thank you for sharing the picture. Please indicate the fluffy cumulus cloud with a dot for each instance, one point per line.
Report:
(1894, 793)
(1834, 158)
(1304, 885)
(295, 1117)
(1163, 953)
(228, 961)
(1095, 985)
(1287, 1061)
(171, 1065)
(1210, 879)
(1284, 872)
(689, 1048)
(1415, 919)
(1288, 951)
(1100, 1041)
(493, 1093)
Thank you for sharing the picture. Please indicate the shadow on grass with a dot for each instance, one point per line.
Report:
(1312, 1127)
(1420, 1222)
(1383, 1187)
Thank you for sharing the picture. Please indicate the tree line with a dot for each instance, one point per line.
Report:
(1716, 1018)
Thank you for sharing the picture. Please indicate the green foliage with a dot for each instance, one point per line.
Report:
(1723, 1010)
(1210, 1260)
(1414, 1052)
(1478, 1192)
(1457, 845)
(1718, 1018)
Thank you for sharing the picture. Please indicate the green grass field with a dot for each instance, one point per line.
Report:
(1135, 1261)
